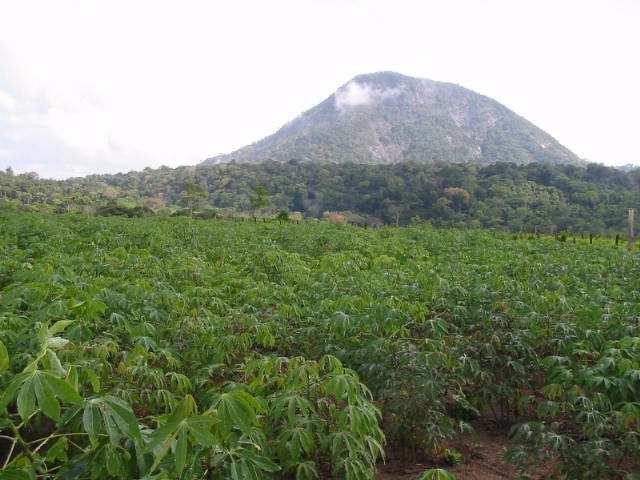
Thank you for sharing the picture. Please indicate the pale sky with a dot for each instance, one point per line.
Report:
(106, 86)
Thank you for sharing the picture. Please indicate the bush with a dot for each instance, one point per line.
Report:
(123, 211)
(282, 216)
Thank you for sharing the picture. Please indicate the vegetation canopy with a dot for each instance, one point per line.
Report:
(535, 197)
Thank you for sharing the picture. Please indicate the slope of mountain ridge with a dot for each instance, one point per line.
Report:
(387, 117)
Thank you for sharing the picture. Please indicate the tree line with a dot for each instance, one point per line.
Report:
(540, 197)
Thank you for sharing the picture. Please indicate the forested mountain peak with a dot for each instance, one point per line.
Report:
(387, 117)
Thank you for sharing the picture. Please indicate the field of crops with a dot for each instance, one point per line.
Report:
(181, 348)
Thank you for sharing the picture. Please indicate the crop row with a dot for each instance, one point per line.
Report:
(177, 348)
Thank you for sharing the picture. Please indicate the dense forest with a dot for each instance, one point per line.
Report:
(529, 197)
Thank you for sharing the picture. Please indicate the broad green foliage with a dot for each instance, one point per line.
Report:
(178, 348)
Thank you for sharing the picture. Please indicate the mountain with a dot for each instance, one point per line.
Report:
(387, 117)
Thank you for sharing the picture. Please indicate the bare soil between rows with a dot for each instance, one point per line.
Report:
(482, 460)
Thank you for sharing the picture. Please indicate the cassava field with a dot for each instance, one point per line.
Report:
(180, 348)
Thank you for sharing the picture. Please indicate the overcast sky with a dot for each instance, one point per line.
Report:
(106, 86)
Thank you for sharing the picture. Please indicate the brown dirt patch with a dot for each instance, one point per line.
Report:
(482, 460)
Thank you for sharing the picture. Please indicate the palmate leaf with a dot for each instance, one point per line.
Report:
(116, 416)
(236, 409)
(345, 443)
(124, 417)
(342, 387)
(249, 464)
(307, 471)
(45, 389)
(355, 469)
(375, 448)
(118, 420)
(259, 461)
(292, 405)
(163, 437)
(200, 427)
(297, 440)
(177, 430)
(630, 414)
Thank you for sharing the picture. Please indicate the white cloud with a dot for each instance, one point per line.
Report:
(355, 93)
(7, 102)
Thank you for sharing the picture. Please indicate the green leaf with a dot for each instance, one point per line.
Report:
(114, 462)
(54, 363)
(4, 358)
(342, 387)
(72, 377)
(9, 394)
(305, 437)
(163, 436)
(235, 411)
(58, 451)
(26, 399)
(93, 378)
(112, 428)
(91, 418)
(57, 343)
(161, 449)
(249, 400)
(124, 417)
(163, 433)
(234, 471)
(63, 390)
(59, 326)
(181, 451)
(200, 427)
(16, 474)
(43, 333)
(260, 461)
(47, 401)
(307, 471)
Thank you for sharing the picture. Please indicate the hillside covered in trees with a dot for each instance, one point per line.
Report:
(519, 198)
(387, 117)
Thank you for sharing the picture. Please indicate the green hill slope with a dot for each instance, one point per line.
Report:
(386, 117)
